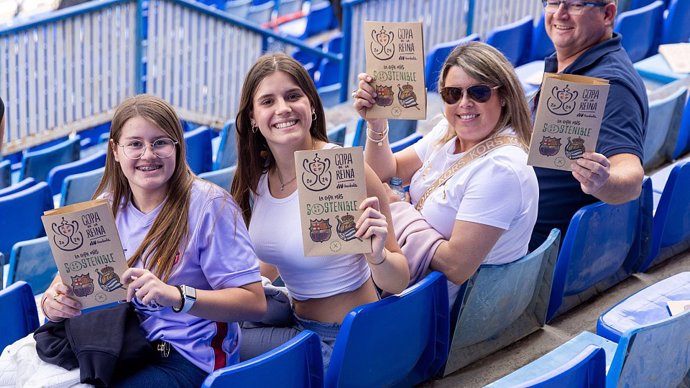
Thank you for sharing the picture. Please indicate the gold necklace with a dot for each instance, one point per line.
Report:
(280, 178)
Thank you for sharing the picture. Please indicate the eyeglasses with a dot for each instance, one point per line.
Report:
(162, 148)
(571, 7)
(479, 93)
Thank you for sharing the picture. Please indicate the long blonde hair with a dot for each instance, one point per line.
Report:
(488, 66)
(169, 231)
(253, 155)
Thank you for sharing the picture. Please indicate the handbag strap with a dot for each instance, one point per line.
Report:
(473, 154)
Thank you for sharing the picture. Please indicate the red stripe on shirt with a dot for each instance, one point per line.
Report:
(217, 345)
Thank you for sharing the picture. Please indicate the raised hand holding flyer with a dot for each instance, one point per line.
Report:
(568, 119)
(331, 185)
(88, 252)
(395, 58)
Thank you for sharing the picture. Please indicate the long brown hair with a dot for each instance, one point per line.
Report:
(169, 231)
(488, 66)
(253, 155)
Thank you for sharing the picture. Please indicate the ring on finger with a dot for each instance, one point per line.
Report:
(55, 296)
(354, 94)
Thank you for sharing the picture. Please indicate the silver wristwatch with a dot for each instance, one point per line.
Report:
(188, 298)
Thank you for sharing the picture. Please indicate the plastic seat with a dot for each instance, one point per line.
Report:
(318, 20)
(335, 43)
(5, 173)
(671, 225)
(21, 215)
(337, 134)
(400, 340)
(226, 154)
(308, 59)
(38, 163)
(640, 28)
(18, 309)
(261, 13)
(603, 245)
(406, 142)
(437, 56)
(222, 177)
(541, 46)
(513, 40)
(17, 187)
(58, 173)
(330, 95)
(663, 125)
(586, 369)
(32, 261)
(649, 305)
(80, 187)
(657, 69)
(676, 27)
(287, 7)
(683, 142)
(501, 304)
(329, 73)
(238, 8)
(199, 149)
(295, 364)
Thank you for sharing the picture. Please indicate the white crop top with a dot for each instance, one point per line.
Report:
(275, 231)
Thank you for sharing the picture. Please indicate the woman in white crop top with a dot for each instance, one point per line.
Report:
(280, 113)
(485, 211)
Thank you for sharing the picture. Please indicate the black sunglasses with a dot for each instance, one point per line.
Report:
(479, 93)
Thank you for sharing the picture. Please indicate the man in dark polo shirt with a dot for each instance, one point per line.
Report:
(582, 33)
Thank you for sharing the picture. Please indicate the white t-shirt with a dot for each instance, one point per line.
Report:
(498, 189)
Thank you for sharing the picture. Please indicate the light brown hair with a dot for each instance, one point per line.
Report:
(169, 231)
(488, 66)
(253, 155)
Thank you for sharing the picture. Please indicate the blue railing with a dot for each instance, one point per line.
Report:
(67, 71)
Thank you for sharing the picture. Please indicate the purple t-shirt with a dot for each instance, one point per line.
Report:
(218, 255)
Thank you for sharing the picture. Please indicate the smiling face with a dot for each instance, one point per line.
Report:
(573, 34)
(472, 121)
(148, 176)
(282, 111)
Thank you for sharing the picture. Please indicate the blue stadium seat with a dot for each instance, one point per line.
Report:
(335, 43)
(501, 304)
(238, 8)
(261, 13)
(657, 69)
(80, 187)
(318, 20)
(640, 29)
(586, 369)
(58, 173)
(400, 340)
(32, 261)
(295, 364)
(37, 164)
(309, 60)
(199, 149)
(671, 229)
(5, 173)
(676, 27)
(329, 73)
(17, 187)
(663, 125)
(541, 46)
(513, 40)
(226, 155)
(18, 312)
(603, 245)
(287, 7)
(437, 56)
(337, 134)
(649, 305)
(397, 129)
(683, 143)
(406, 142)
(222, 177)
(21, 215)
(330, 95)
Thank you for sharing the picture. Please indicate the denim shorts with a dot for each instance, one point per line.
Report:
(327, 331)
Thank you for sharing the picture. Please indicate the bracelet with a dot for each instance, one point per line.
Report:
(385, 255)
(383, 135)
(183, 301)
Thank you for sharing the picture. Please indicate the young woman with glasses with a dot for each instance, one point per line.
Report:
(193, 271)
(484, 208)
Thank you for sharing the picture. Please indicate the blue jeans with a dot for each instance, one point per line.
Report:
(169, 372)
(259, 340)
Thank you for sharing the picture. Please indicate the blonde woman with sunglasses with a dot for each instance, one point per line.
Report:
(469, 181)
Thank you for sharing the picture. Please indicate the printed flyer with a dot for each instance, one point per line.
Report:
(568, 119)
(395, 58)
(331, 185)
(88, 252)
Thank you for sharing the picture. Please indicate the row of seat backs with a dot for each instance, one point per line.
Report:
(18, 312)
(667, 134)
(410, 346)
